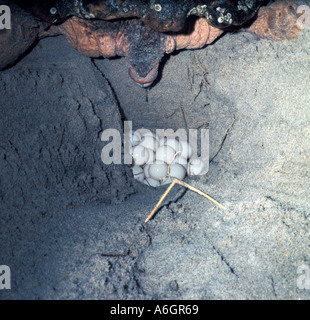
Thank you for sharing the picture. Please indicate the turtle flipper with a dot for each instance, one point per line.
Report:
(276, 22)
(24, 32)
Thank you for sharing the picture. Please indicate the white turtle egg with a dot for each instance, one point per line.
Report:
(136, 138)
(165, 153)
(177, 171)
(138, 173)
(128, 137)
(146, 171)
(151, 182)
(158, 170)
(187, 150)
(140, 155)
(149, 142)
(150, 134)
(162, 141)
(165, 181)
(174, 144)
(180, 160)
(195, 166)
(171, 142)
(151, 157)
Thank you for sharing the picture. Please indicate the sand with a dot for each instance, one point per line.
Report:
(72, 227)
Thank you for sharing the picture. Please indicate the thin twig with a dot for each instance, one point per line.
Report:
(183, 114)
(184, 184)
(204, 71)
(160, 201)
(221, 143)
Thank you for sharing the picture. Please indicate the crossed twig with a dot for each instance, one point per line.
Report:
(182, 183)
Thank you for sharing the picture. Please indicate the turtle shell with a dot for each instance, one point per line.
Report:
(160, 15)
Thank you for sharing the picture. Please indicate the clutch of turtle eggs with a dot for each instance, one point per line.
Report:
(156, 161)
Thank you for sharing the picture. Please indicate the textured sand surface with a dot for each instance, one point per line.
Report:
(71, 228)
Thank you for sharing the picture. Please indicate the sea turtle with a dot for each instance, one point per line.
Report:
(141, 30)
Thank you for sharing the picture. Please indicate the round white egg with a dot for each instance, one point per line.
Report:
(146, 171)
(177, 171)
(151, 157)
(165, 153)
(136, 138)
(187, 150)
(174, 144)
(195, 167)
(158, 170)
(149, 142)
(138, 173)
(180, 160)
(162, 141)
(171, 142)
(140, 155)
(151, 182)
(165, 181)
(150, 134)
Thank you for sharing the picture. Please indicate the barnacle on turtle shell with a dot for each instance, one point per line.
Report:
(160, 15)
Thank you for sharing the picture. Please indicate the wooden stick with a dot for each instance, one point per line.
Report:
(184, 184)
(160, 201)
